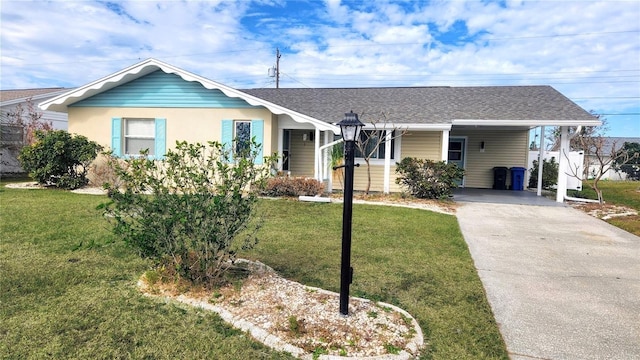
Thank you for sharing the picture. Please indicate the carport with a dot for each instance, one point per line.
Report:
(515, 197)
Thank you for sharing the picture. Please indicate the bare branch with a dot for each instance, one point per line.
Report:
(370, 140)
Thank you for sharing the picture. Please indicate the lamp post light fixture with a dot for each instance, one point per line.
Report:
(350, 128)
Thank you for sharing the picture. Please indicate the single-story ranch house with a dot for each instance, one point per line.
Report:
(153, 104)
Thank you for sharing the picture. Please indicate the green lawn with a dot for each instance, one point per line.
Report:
(67, 287)
(625, 193)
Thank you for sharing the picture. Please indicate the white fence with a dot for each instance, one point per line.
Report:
(576, 165)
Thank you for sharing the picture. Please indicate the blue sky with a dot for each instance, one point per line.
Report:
(588, 50)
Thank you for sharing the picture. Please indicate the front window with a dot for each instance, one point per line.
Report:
(369, 139)
(242, 135)
(139, 134)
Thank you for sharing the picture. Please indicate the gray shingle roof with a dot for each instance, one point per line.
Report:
(7, 95)
(428, 105)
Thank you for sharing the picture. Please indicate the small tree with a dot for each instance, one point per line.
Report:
(29, 118)
(631, 152)
(57, 158)
(549, 173)
(369, 143)
(190, 212)
(600, 156)
(428, 179)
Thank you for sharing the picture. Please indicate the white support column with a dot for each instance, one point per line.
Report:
(387, 161)
(316, 162)
(563, 164)
(328, 137)
(540, 160)
(445, 145)
(280, 147)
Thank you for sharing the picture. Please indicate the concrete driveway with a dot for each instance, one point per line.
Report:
(562, 285)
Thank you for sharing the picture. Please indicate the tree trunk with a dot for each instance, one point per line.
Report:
(366, 191)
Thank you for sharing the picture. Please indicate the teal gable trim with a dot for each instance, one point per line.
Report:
(162, 90)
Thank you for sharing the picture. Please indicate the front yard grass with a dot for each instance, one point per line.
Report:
(625, 193)
(68, 288)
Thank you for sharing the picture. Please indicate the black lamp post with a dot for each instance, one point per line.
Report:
(350, 129)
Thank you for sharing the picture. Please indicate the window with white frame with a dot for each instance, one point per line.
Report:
(242, 136)
(139, 134)
(371, 138)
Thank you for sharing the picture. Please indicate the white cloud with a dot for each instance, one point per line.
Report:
(589, 50)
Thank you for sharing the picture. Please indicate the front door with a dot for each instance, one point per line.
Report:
(456, 154)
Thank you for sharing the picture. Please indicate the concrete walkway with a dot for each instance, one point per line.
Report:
(562, 285)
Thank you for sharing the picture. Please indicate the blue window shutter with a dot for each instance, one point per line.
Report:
(161, 138)
(116, 136)
(227, 134)
(257, 132)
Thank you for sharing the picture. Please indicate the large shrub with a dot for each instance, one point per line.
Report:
(549, 174)
(58, 158)
(428, 179)
(190, 212)
(292, 186)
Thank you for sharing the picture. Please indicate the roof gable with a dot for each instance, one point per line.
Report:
(161, 90)
(60, 103)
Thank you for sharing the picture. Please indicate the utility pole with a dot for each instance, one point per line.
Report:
(277, 68)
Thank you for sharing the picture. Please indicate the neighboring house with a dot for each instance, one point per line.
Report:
(11, 140)
(153, 104)
(610, 146)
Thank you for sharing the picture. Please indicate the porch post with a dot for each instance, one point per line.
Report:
(280, 148)
(540, 160)
(445, 146)
(562, 164)
(316, 162)
(387, 161)
(327, 157)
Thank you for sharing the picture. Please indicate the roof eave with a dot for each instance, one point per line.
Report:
(530, 123)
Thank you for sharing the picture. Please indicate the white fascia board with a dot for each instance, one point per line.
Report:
(432, 127)
(148, 66)
(60, 103)
(531, 123)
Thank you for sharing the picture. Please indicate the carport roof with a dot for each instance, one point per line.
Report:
(487, 105)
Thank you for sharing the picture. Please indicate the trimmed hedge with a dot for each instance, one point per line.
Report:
(292, 186)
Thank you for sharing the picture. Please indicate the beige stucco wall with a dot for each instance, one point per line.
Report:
(192, 125)
(508, 148)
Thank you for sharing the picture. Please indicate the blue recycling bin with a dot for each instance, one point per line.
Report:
(517, 178)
